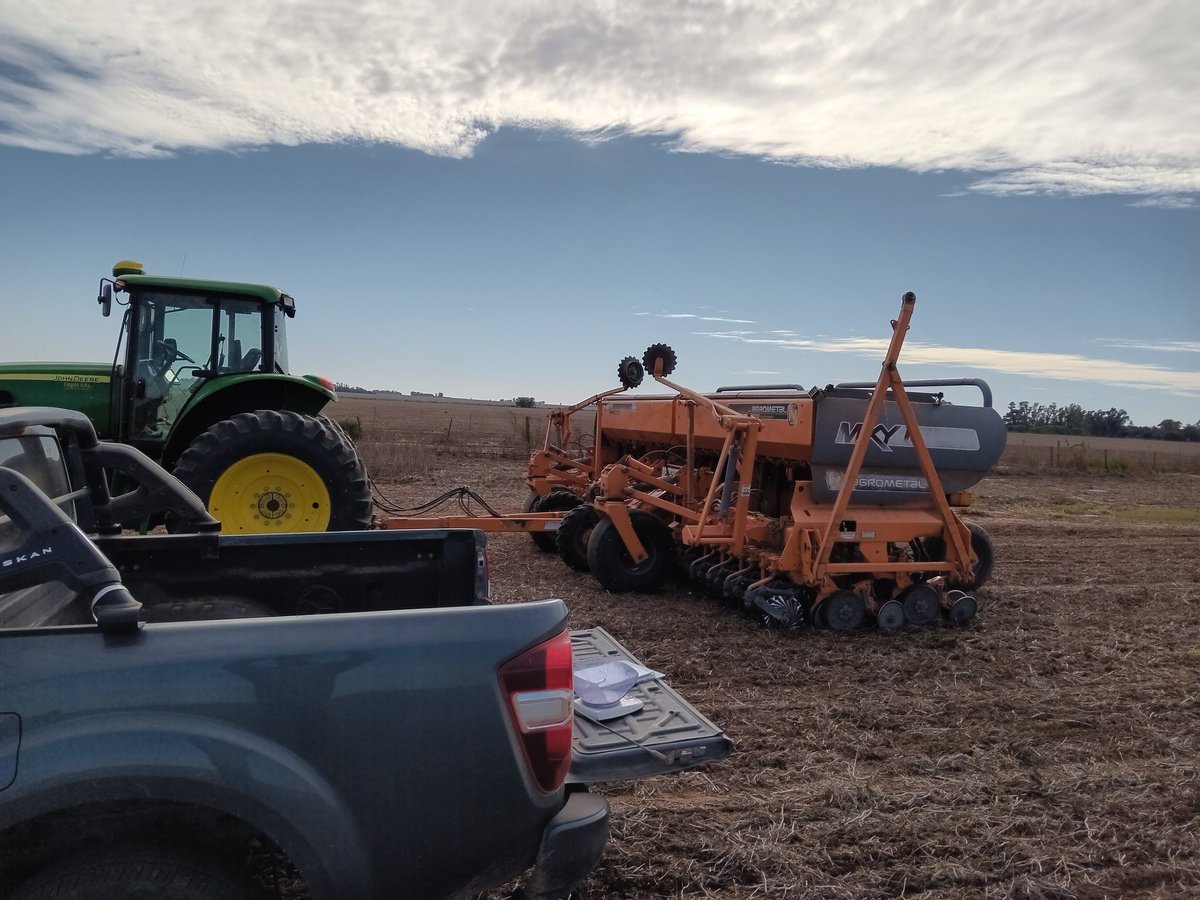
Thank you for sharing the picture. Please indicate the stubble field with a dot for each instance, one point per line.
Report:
(1050, 749)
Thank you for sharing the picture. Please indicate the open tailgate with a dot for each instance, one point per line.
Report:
(666, 735)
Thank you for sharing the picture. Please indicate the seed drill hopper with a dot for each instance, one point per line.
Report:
(833, 506)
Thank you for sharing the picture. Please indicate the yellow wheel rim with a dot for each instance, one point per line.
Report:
(270, 492)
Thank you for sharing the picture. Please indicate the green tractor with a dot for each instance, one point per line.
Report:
(200, 383)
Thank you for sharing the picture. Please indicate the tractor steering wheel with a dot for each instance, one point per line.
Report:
(165, 354)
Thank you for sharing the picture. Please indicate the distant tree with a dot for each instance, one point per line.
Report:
(524, 402)
(1170, 430)
(1017, 417)
(1051, 418)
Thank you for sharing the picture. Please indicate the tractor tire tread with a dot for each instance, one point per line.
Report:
(312, 439)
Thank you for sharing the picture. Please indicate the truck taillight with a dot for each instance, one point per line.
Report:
(538, 685)
(483, 576)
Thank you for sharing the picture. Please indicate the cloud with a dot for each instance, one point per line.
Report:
(1156, 346)
(698, 318)
(1067, 97)
(1061, 366)
(1166, 202)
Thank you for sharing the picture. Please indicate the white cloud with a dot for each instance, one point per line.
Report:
(1156, 346)
(1061, 366)
(698, 318)
(1068, 96)
(1166, 202)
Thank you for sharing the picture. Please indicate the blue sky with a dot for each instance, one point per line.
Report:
(494, 203)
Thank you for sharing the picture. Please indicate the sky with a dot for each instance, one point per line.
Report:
(493, 200)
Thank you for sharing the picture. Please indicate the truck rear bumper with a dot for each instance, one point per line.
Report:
(571, 846)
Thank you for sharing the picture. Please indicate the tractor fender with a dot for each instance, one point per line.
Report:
(220, 398)
(107, 760)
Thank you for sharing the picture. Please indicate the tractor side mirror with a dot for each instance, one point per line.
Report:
(105, 299)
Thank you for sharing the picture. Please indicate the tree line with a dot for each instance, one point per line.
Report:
(1073, 419)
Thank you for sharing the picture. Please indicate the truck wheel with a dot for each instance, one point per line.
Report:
(271, 472)
(614, 568)
(574, 532)
(555, 501)
(139, 874)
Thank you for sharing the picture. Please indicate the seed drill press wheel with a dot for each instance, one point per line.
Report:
(843, 610)
(921, 604)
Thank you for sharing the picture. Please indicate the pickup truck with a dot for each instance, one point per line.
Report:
(187, 715)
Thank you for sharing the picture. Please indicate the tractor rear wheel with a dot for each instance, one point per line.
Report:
(555, 501)
(270, 472)
(614, 568)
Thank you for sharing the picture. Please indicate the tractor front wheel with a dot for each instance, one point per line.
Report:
(270, 472)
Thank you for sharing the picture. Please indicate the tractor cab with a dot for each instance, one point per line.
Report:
(180, 334)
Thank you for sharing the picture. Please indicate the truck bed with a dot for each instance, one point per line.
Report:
(300, 574)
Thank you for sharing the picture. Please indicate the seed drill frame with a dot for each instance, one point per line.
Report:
(825, 562)
(753, 492)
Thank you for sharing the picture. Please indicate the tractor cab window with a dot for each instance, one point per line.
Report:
(280, 337)
(179, 340)
(172, 338)
(239, 337)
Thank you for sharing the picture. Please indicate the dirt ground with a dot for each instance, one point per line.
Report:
(1050, 749)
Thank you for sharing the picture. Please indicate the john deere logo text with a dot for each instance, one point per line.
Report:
(882, 436)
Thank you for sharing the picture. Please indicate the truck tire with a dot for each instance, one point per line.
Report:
(614, 568)
(270, 472)
(139, 874)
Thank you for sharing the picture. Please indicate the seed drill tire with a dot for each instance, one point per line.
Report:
(270, 471)
(615, 569)
(555, 501)
(574, 532)
(981, 545)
